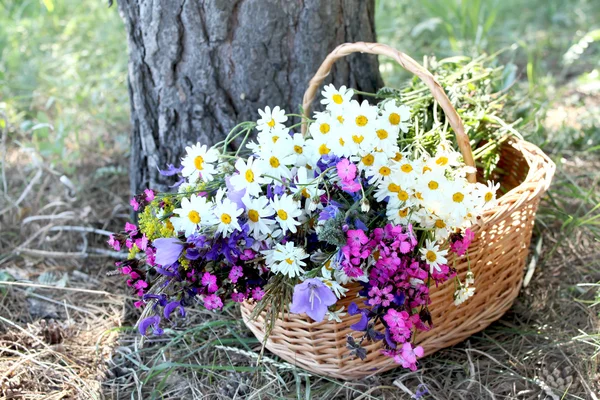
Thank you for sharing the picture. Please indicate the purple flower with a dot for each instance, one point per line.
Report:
(168, 250)
(258, 293)
(330, 211)
(170, 171)
(235, 195)
(313, 298)
(169, 308)
(146, 322)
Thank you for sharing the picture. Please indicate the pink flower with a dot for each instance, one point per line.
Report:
(461, 245)
(235, 273)
(115, 244)
(238, 297)
(149, 195)
(138, 303)
(131, 229)
(142, 242)
(351, 186)
(258, 293)
(134, 204)
(346, 170)
(210, 281)
(408, 357)
(140, 284)
(213, 302)
(356, 238)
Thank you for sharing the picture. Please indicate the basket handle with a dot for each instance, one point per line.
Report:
(408, 64)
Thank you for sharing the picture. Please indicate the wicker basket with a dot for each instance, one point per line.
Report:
(497, 256)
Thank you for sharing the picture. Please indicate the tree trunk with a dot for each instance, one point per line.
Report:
(198, 67)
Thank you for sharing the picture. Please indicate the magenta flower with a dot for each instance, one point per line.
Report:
(238, 297)
(134, 204)
(461, 245)
(131, 229)
(210, 281)
(235, 273)
(258, 293)
(168, 251)
(114, 243)
(346, 170)
(408, 356)
(213, 302)
(142, 242)
(149, 193)
(313, 298)
(351, 186)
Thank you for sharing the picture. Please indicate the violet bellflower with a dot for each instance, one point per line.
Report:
(313, 298)
(168, 250)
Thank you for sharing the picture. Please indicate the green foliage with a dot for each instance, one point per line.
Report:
(63, 75)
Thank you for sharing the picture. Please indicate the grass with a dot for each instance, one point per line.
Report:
(63, 96)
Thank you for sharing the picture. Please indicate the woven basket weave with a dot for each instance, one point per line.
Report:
(497, 256)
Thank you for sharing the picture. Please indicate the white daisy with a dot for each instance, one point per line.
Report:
(270, 120)
(198, 163)
(286, 209)
(433, 256)
(258, 212)
(193, 213)
(336, 99)
(226, 213)
(337, 289)
(275, 161)
(306, 154)
(286, 259)
(362, 118)
(336, 315)
(396, 116)
(248, 176)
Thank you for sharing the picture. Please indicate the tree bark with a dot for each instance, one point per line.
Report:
(198, 67)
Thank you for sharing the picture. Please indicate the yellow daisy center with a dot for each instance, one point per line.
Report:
(419, 196)
(282, 215)
(440, 224)
(433, 185)
(442, 161)
(406, 168)
(338, 99)
(271, 123)
(324, 128)
(488, 196)
(194, 217)
(403, 213)
(431, 256)
(368, 160)
(253, 215)
(305, 193)
(250, 176)
(394, 119)
(361, 120)
(274, 161)
(426, 169)
(226, 218)
(289, 261)
(398, 157)
(199, 163)
(275, 139)
(402, 195)
(385, 171)
(382, 134)
(298, 149)
(341, 119)
(392, 187)
(323, 149)
(358, 139)
(458, 197)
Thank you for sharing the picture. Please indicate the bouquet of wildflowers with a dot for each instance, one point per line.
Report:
(290, 221)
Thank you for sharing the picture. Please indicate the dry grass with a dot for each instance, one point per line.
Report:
(65, 325)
